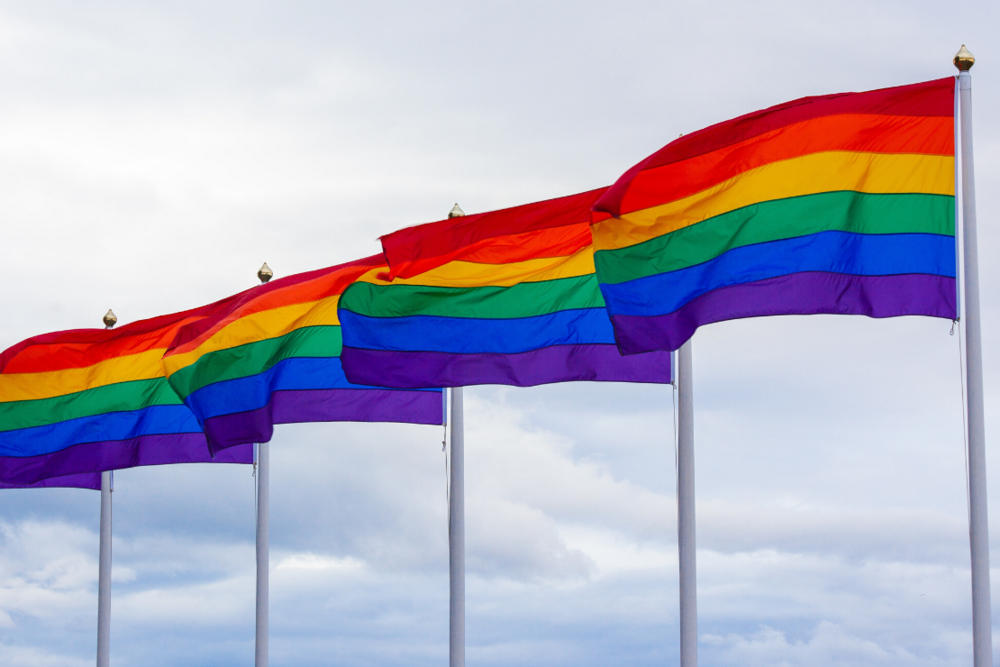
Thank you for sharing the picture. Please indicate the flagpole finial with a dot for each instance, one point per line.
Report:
(110, 319)
(265, 273)
(964, 60)
(456, 212)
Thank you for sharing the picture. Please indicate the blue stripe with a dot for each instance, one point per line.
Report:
(829, 252)
(426, 333)
(254, 392)
(156, 420)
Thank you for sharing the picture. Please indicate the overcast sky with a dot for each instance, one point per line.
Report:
(153, 155)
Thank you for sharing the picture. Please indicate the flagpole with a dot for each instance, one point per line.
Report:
(685, 510)
(456, 522)
(104, 576)
(456, 532)
(264, 274)
(263, 492)
(979, 544)
(104, 558)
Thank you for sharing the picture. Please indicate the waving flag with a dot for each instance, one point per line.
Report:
(91, 400)
(271, 355)
(836, 204)
(506, 297)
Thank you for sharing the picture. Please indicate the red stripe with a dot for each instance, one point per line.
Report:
(931, 98)
(867, 134)
(80, 348)
(414, 250)
(299, 288)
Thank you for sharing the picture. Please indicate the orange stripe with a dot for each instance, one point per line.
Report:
(925, 135)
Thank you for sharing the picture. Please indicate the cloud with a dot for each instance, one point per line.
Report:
(829, 645)
(17, 656)
(154, 155)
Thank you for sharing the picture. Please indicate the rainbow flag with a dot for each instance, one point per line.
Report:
(836, 204)
(506, 297)
(271, 355)
(90, 400)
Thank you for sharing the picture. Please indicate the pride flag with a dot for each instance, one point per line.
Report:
(836, 204)
(271, 355)
(90, 400)
(506, 297)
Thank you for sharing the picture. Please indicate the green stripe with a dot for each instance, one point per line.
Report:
(523, 300)
(119, 397)
(775, 220)
(253, 358)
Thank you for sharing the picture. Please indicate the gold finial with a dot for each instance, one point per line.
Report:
(964, 60)
(110, 320)
(456, 212)
(265, 273)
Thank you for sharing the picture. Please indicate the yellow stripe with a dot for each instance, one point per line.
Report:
(31, 386)
(260, 326)
(472, 274)
(810, 174)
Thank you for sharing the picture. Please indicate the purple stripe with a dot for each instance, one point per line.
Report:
(561, 363)
(795, 294)
(87, 480)
(324, 405)
(93, 457)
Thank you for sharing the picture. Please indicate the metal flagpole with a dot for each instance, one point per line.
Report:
(979, 544)
(685, 510)
(456, 532)
(456, 523)
(263, 469)
(104, 567)
(104, 576)
(263, 499)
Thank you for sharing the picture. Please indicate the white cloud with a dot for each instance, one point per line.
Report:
(154, 155)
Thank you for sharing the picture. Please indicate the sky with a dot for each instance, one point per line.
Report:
(155, 154)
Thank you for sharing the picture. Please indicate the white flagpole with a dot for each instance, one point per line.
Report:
(456, 533)
(104, 558)
(263, 469)
(685, 509)
(456, 522)
(979, 543)
(264, 274)
(104, 576)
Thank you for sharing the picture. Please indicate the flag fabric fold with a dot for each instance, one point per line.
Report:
(506, 297)
(271, 355)
(86, 480)
(91, 400)
(835, 204)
